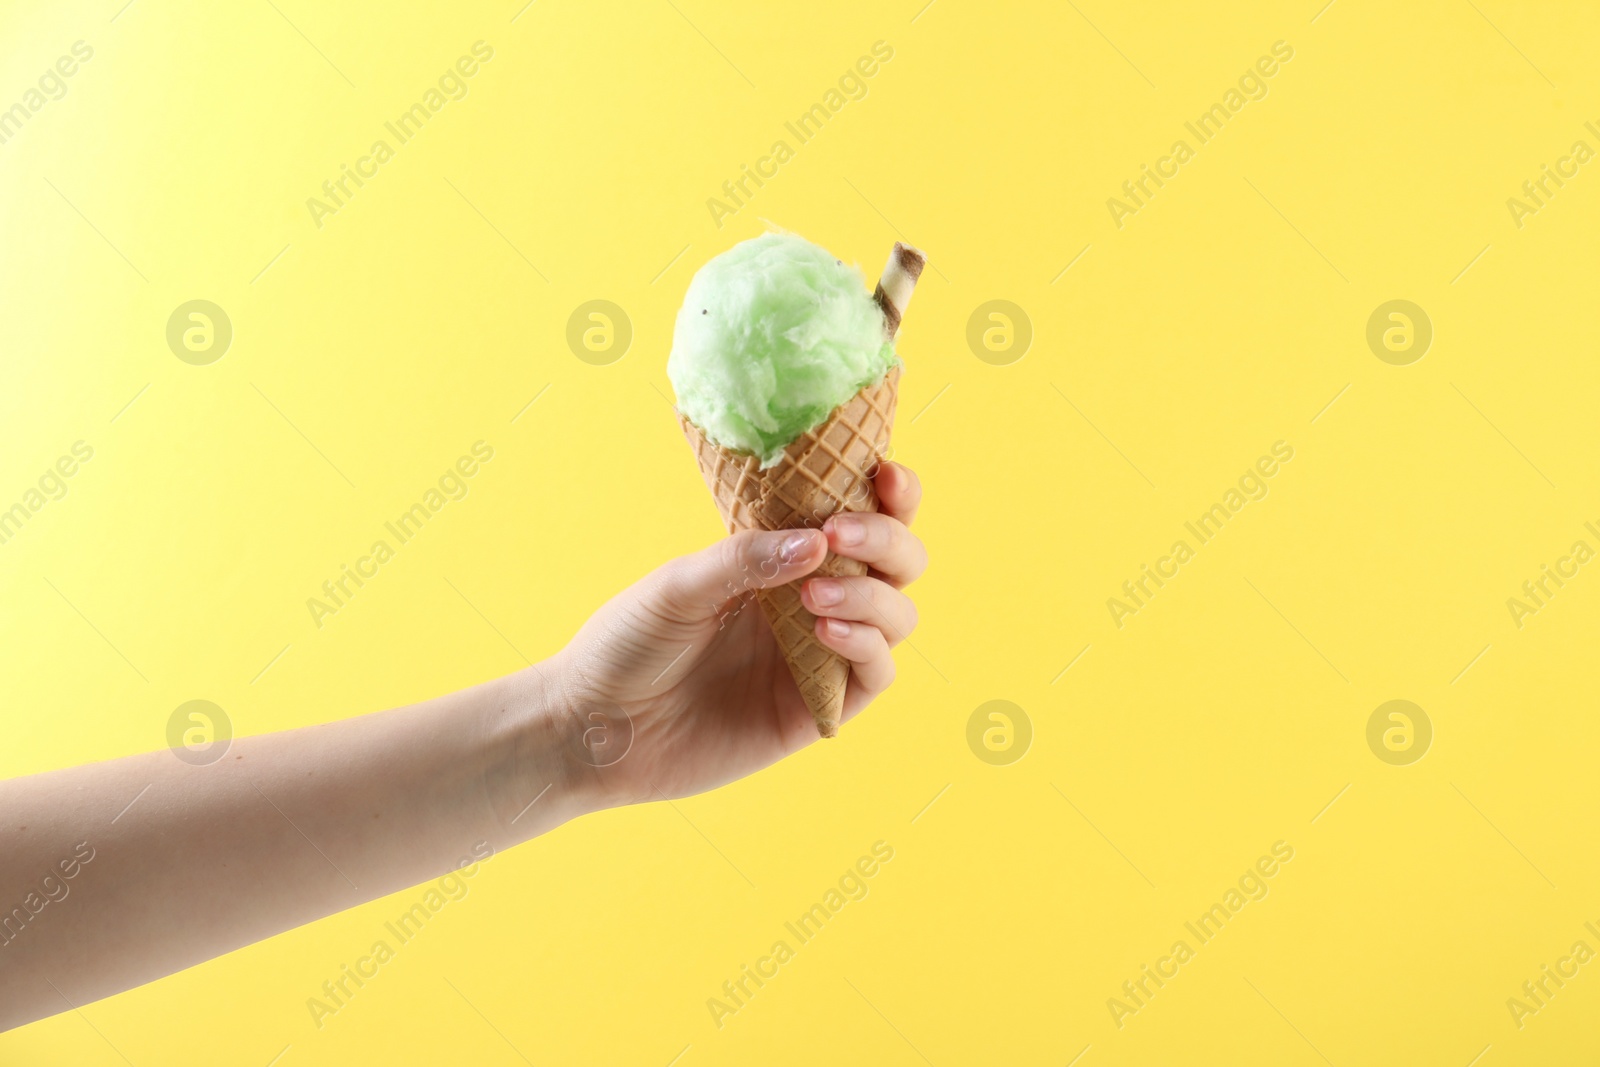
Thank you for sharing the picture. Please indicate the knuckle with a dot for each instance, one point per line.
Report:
(682, 572)
(731, 553)
(741, 562)
(869, 590)
(917, 555)
(905, 542)
(881, 534)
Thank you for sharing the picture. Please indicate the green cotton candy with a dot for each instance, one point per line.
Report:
(773, 335)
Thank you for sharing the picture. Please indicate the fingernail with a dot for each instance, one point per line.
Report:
(848, 532)
(825, 592)
(796, 546)
(838, 628)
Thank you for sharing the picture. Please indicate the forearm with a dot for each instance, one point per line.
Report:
(188, 862)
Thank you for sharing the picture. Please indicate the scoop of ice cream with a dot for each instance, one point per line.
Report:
(773, 335)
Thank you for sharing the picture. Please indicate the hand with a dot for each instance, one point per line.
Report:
(687, 654)
(293, 826)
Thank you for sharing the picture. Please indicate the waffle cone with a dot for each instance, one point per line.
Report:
(824, 471)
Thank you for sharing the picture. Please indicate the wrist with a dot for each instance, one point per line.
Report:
(536, 780)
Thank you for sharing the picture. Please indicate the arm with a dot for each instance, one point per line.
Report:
(283, 829)
(115, 874)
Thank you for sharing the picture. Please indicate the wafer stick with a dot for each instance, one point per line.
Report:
(900, 276)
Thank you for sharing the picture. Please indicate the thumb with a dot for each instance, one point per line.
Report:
(699, 584)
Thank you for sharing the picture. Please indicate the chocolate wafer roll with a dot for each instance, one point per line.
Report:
(900, 276)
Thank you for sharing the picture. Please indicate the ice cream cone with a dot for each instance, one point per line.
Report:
(826, 470)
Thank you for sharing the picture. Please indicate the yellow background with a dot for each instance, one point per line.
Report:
(1223, 317)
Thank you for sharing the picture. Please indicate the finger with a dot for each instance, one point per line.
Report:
(881, 541)
(868, 600)
(899, 491)
(856, 699)
(864, 646)
(697, 585)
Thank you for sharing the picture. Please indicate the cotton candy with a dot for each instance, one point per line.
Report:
(773, 335)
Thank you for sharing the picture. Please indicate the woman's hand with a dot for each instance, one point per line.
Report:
(677, 685)
(674, 687)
